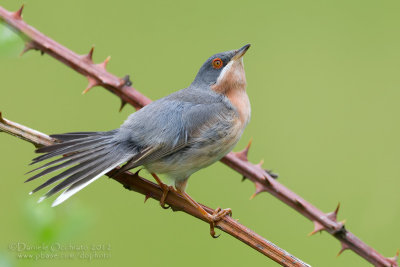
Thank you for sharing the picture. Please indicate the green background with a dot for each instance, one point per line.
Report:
(323, 80)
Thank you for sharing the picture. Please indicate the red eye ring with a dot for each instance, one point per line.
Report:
(217, 63)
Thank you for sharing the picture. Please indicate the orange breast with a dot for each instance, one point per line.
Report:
(240, 101)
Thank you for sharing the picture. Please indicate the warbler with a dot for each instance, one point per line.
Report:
(177, 135)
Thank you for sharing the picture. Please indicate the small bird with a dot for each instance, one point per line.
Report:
(177, 135)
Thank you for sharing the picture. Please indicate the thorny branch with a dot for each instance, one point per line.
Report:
(151, 190)
(264, 182)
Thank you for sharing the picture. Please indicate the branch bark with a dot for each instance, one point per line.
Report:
(97, 75)
(134, 182)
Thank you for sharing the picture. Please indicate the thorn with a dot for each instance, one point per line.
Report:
(249, 144)
(244, 178)
(103, 64)
(18, 14)
(267, 176)
(333, 215)
(136, 174)
(123, 103)
(92, 83)
(89, 56)
(270, 172)
(394, 259)
(317, 228)
(127, 187)
(243, 154)
(344, 247)
(147, 196)
(28, 46)
(260, 163)
(259, 189)
(1, 117)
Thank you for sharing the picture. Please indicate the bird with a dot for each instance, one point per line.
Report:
(175, 136)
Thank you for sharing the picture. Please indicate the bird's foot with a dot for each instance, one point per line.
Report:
(165, 189)
(213, 218)
(217, 215)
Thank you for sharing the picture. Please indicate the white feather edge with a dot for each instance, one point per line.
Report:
(227, 68)
(68, 193)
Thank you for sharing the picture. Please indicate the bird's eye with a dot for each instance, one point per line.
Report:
(217, 63)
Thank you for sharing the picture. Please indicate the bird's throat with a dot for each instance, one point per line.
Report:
(232, 77)
(232, 83)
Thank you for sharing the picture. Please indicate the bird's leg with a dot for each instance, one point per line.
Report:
(217, 215)
(165, 189)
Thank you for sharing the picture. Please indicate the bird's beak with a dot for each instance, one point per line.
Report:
(240, 52)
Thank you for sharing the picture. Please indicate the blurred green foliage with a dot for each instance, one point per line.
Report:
(324, 86)
(10, 42)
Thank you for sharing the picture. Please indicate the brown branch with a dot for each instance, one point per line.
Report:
(151, 190)
(97, 75)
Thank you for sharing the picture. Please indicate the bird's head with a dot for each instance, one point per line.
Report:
(223, 71)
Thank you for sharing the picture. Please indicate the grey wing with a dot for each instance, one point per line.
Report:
(172, 123)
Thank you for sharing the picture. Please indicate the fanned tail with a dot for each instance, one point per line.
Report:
(89, 155)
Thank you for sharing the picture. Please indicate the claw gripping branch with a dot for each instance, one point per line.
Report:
(263, 180)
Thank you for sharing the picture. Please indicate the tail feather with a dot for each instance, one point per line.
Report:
(92, 154)
(76, 158)
(56, 147)
(78, 169)
(80, 185)
(62, 159)
(75, 135)
(87, 172)
(68, 147)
